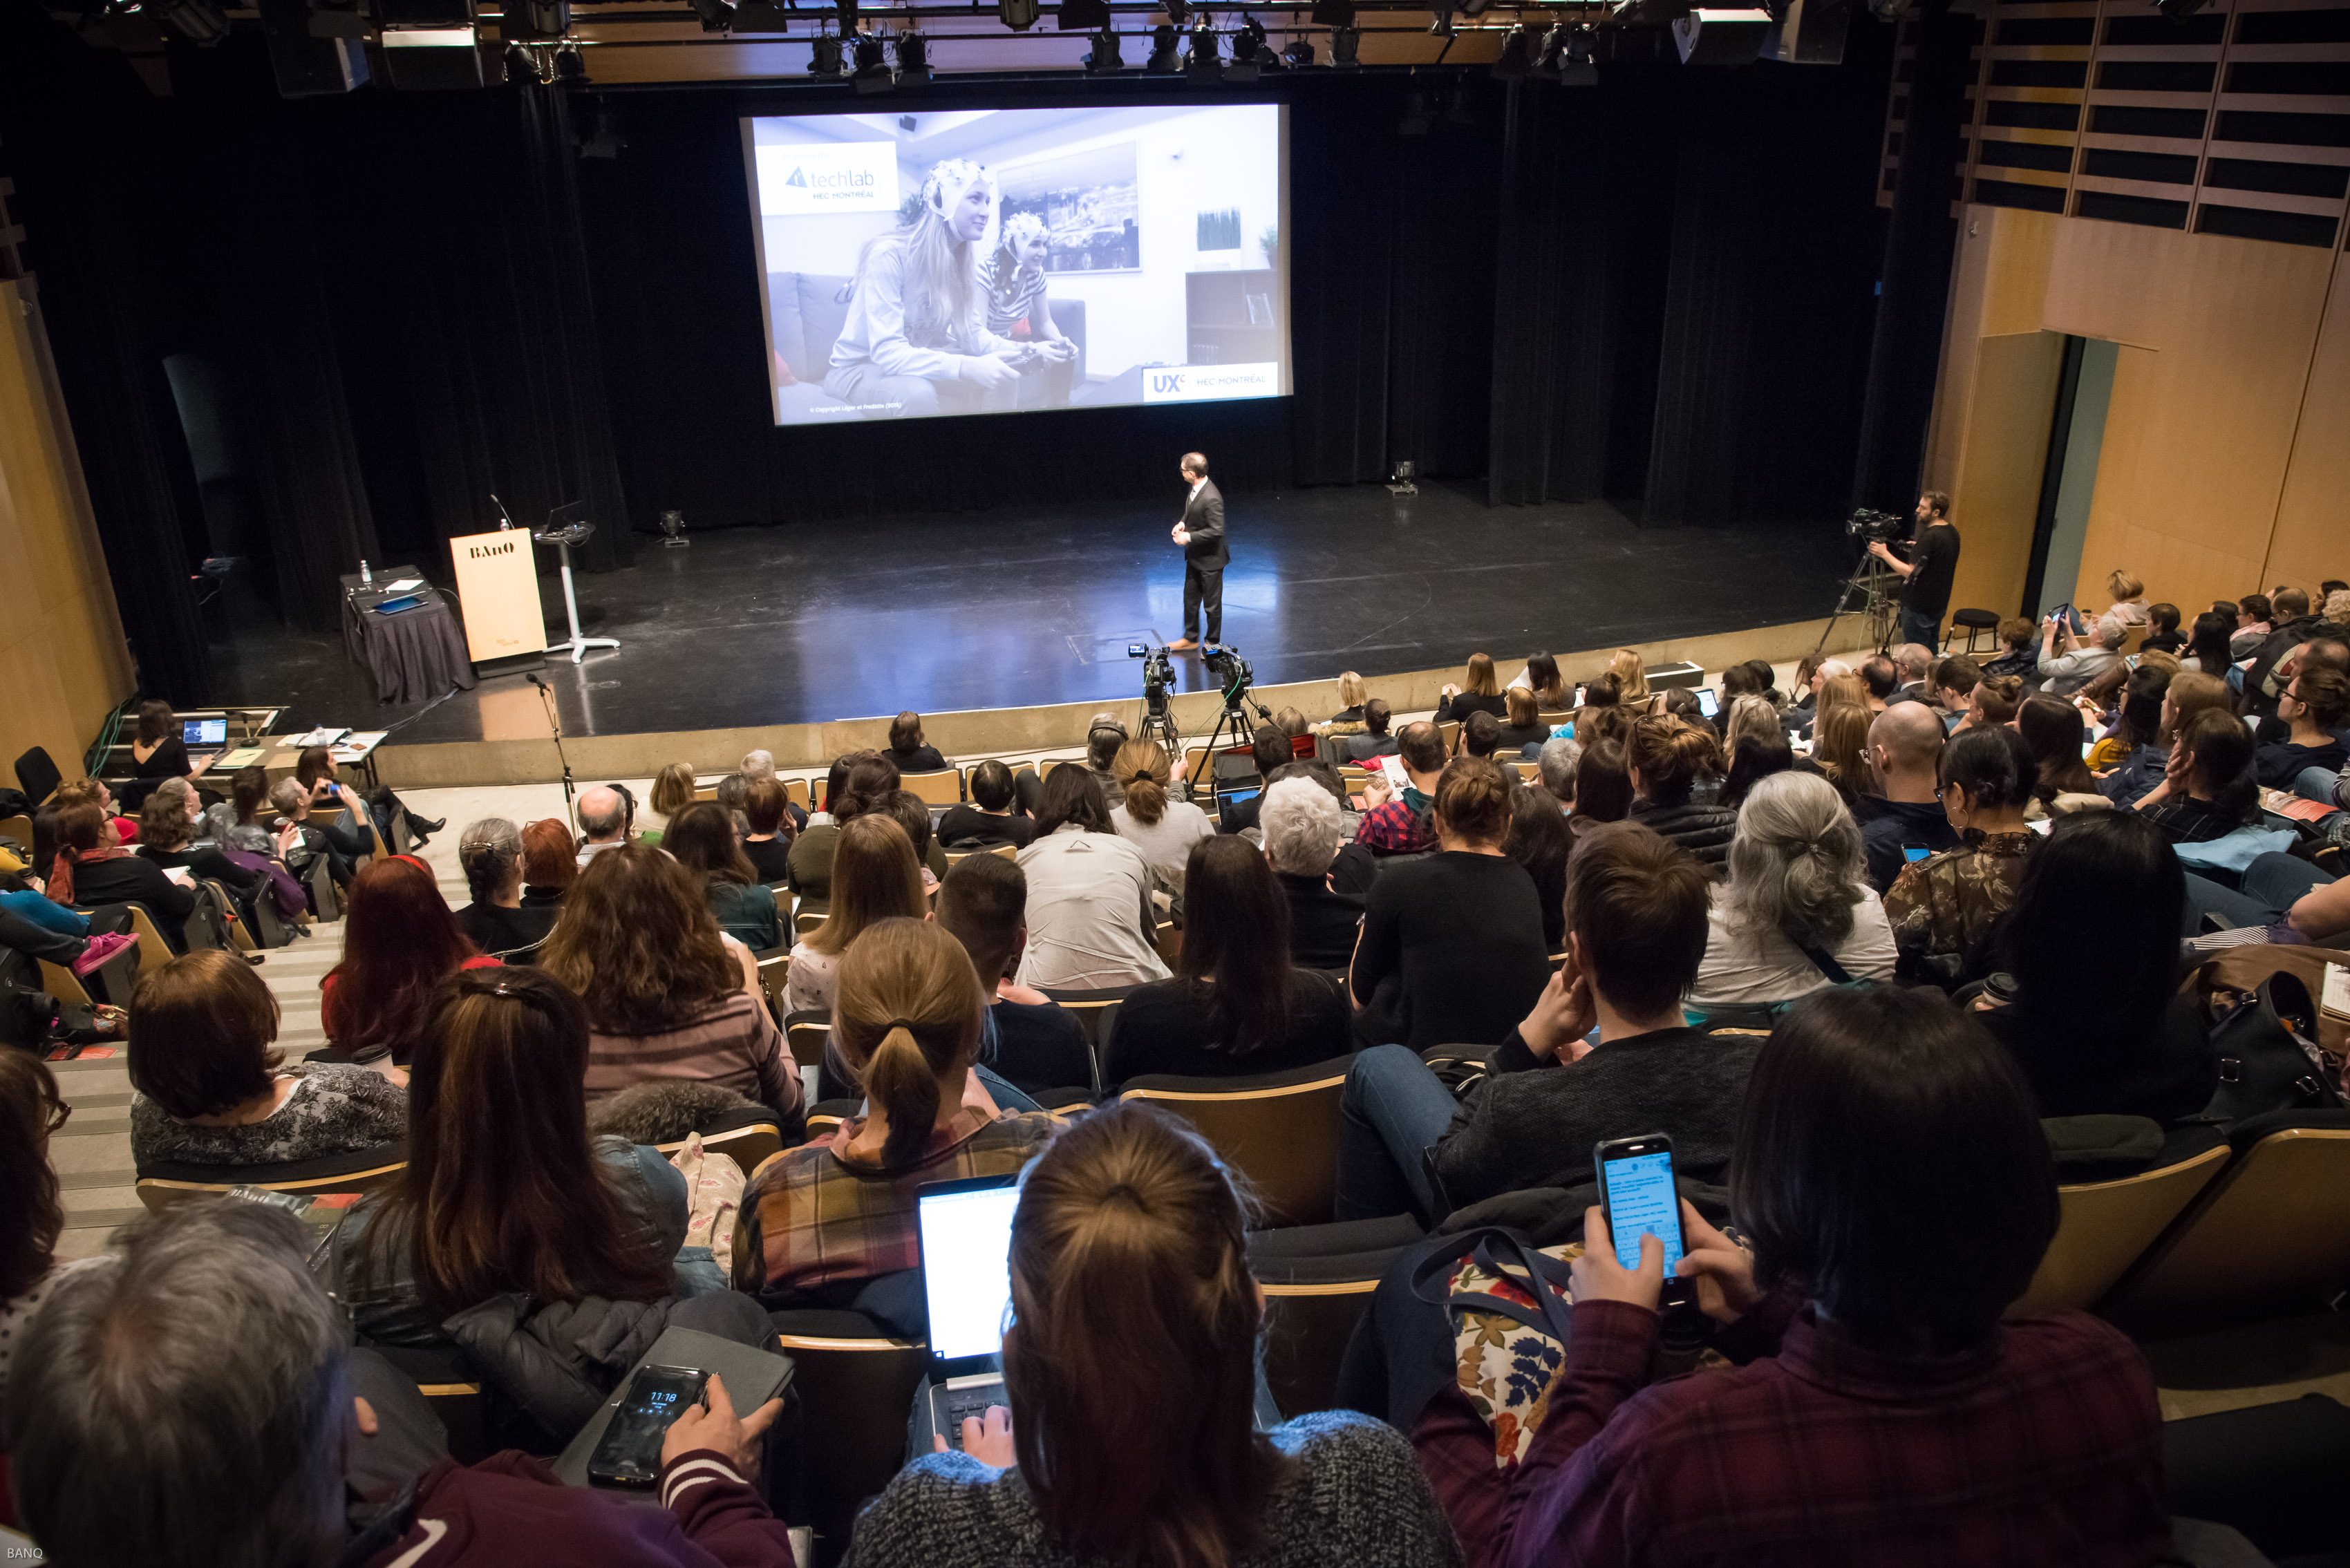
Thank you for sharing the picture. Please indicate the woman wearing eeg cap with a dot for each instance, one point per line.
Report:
(1013, 274)
(916, 339)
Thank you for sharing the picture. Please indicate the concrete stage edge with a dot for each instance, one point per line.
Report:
(978, 733)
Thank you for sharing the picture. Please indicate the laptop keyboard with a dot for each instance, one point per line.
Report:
(954, 1404)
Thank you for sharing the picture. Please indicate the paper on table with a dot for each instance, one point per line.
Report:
(403, 585)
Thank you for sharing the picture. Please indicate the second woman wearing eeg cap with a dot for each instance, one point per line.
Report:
(1017, 308)
(916, 339)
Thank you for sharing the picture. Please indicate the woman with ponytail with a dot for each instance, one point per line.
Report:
(1797, 914)
(1130, 1371)
(498, 921)
(1667, 758)
(821, 1219)
(1163, 828)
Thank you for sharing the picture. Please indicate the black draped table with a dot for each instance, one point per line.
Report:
(412, 655)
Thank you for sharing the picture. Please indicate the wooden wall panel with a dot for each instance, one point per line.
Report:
(63, 660)
(2310, 541)
(2217, 335)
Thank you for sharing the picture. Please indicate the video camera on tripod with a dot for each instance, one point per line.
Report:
(1158, 675)
(1875, 527)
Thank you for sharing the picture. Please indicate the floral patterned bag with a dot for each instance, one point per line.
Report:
(1509, 1303)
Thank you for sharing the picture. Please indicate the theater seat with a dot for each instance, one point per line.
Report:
(2270, 1236)
(1279, 1131)
(161, 1183)
(1092, 1010)
(1317, 1278)
(747, 1135)
(855, 1388)
(943, 787)
(2106, 1226)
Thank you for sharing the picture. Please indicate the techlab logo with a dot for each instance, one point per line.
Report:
(833, 177)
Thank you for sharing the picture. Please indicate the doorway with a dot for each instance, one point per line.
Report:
(2076, 435)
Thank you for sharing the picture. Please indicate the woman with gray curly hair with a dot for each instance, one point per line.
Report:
(1795, 913)
(497, 921)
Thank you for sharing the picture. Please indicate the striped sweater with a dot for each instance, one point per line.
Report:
(734, 1042)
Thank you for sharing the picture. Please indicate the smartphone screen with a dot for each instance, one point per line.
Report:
(1639, 1186)
(1915, 852)
(630, 1451)
(1708, 703)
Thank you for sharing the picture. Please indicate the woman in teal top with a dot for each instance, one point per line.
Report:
(702, 838)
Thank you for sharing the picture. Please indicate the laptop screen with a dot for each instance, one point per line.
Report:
(966, 1268)
(204, 731)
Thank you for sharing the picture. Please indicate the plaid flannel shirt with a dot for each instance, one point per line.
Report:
(812, 1216)
(2042, 1446)
(1395, 828)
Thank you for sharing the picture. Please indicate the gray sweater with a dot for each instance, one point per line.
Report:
(1356, 1499)
(1533, 1123)
(333, 1108)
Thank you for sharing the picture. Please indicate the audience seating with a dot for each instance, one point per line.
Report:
(2269, 1235)
(2106, 1226)
(748, 1135)
(155, 952)
(1093, 1010)
(19, 829)
(114, 979)
(943, 787)
(1317, 1278)
(162, 1183)
(855, 1388)
(38, 777)
(1009, 852)
(1279, 1131)
(809, 916)
(1170, 938)
(1553, 719)
(1978, 623)
(807, 1033)
(446, 1378)
(325, 900)
(1449, 733)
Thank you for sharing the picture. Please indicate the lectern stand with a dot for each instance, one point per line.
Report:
(572, 533)
(497, 579)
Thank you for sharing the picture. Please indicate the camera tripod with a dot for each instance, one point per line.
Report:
(1878, 587)
(1234, 717)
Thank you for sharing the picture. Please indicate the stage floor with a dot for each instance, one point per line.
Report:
(987, 609)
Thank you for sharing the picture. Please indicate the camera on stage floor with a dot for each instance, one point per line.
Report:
(1875, 527)
(1158, 673)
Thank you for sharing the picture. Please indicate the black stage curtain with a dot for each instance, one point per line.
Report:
(78, 133)
(1771, 289)
(1905, 355)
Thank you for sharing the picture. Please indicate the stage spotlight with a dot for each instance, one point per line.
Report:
(570, 67)
(199, 21)
(824, 59)
(1166, 58)
(1178, 11)
(913, 56)
(1342, 41)
(1204, 63)
(1299, 53)
(1103, 59)
(1081, 15)
(1252, 55)
(872, 73)
(1513, 63)
(1017, 14)
(717, 15)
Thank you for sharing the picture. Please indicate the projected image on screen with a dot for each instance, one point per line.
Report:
(998, 260)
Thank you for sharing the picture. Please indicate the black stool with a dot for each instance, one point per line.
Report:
(1976, 621)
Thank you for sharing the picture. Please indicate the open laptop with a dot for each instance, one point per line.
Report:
(204, 731)
(965, 1229)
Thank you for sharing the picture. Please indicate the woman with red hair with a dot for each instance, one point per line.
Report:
(400, 940)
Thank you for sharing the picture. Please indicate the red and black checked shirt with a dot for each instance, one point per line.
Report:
(1395, 828)
(2044, 1447)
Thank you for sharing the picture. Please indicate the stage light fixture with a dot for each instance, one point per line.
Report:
(1511, 64)
(1299, 53)
(1081, 15)
(1440, 26)
(570, 67)
(1166, 56)
(199, 21)
(1017, 14)
(1252, 55)
(1343, 42)
(913, 56)
(717, 15)
(1103, 59)
(1204, 62)
(872, 73)
(824, 55)
(1178, 11)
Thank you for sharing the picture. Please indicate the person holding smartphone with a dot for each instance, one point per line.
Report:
(1893, 1193)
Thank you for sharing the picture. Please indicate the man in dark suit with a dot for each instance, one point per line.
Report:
(1201, 532)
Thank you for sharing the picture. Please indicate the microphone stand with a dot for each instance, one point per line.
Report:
(555, 724)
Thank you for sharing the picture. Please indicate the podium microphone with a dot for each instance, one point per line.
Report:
(532, 676)
(501, 505)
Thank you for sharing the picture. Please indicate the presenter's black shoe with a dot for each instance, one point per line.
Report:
(1185, 646)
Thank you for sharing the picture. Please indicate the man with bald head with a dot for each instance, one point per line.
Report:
(1905, 747)
(605, 814)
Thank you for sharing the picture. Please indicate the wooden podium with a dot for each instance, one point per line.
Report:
(497, 579)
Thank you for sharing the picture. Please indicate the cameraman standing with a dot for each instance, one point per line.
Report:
(1926, 591)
